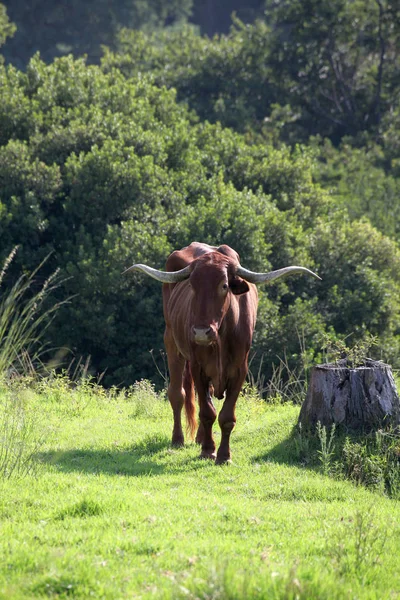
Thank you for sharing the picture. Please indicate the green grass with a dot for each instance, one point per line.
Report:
(112, 511)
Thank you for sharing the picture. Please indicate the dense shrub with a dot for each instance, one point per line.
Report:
(307, 68)
(105, 172)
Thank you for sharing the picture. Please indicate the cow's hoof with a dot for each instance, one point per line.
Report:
(178, 443)
(223, 460)
(208, 455)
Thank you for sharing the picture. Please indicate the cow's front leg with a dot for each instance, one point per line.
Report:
(200, 430)
(176, 392)
(227, 417)
(207, 415)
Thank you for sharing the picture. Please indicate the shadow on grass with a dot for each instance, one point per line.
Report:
(294, 450)
(304, 449)
(135, 461)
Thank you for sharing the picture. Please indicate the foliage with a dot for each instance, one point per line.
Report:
(7, 29)
(353, 356)
(103, 172)
(374, 462)
(307, 68)
(338, 64)
(54, 30)
(346, 253)
(319, 69)
(224, 79)
(363, 179)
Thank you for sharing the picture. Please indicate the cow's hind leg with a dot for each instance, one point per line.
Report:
(176, 392)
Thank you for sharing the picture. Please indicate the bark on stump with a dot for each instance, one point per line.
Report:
(362, 399)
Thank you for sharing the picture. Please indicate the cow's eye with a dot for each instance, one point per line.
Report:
(225, 286)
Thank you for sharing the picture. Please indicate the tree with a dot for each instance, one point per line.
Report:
(307, 68)
(58, 28)
(363, 180)
(336, 61)
(7, 29)
(104, 172)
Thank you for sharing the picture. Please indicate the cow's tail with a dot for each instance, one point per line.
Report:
(190, 400)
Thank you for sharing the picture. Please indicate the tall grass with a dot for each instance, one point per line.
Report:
(286, 384)
(20, 436)
(23, 321)
(24, 318)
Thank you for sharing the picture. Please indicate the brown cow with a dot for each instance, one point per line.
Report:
(210, 307)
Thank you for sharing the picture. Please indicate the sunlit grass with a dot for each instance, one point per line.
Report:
(115, 512)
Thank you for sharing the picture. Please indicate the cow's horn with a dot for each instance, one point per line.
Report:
(163, 276)
(252, 277)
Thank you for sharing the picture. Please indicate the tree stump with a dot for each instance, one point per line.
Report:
(362, 399)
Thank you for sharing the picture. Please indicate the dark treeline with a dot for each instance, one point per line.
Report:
(58, 27)
(279, 137)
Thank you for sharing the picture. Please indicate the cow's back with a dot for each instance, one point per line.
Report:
(182, 258)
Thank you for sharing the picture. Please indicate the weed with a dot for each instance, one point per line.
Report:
(302, 444)
(163, 370)
(145, 400)
(257, 381)
(374, 461)
(20, 437)
(285, 384)
(355, 356)
(356, 545)
(58, 388)
(327, 447)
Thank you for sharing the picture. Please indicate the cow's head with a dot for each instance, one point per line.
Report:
(214, 278)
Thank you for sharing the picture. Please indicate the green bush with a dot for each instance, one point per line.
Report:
(374, 462)
(103, 172)
(336, 73)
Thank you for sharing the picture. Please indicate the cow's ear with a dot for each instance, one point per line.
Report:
(238, 286)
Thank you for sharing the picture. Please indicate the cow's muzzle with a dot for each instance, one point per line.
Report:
(204, 336)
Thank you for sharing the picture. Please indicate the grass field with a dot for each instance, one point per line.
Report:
(110, 510)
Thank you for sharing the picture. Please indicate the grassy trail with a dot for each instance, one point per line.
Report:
(113, 512)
